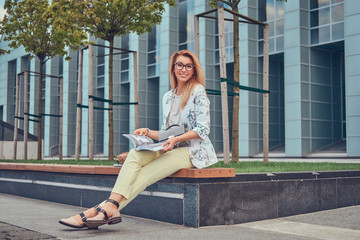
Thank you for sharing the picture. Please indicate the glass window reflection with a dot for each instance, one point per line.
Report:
(152, 58)
(271, 45)
(271, 29)
(314, 19)
(338, 31)
(125, 64)
(337, 13)
(315, 36)
(329, 17)
(324, 16)
(323, 3)
(280, 44)
(182, 22)
(261, 47)
(270, 10)
(313, 4)
(324, 34)
(262, 10)
(279, 9)
(318, 3)
(280, 27)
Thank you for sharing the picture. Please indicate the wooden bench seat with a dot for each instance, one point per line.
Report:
(110, 170)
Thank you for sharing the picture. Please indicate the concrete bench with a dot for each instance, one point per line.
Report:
(173, 199)
(190, 197)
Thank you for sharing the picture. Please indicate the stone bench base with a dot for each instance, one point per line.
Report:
(192, 201)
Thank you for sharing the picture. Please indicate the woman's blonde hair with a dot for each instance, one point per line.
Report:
(197, 78)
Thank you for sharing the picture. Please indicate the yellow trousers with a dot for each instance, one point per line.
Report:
(143, 168)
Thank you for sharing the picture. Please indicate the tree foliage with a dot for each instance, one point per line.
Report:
(106, 19)
(235, 120)
(44, 29)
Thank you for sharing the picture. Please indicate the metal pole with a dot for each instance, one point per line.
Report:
(78, 109)
(26, 110)
(224, 96)
(61, 121)
(266, 95)
(196, 36)
(91, 105)
(136, 98)
(16, 115)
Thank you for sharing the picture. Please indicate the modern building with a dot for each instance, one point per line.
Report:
(314, 79)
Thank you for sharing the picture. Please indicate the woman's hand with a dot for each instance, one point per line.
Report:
(170, 144)
(142, 131)
(121, 157)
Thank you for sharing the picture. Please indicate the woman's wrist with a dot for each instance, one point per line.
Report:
(148, 133)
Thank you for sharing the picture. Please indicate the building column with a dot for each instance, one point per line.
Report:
(296, 78)
(33, 98)
(69, 103)
(84, 146)
(169, 38)
(352, 75)
(46, 121)
(250, 103)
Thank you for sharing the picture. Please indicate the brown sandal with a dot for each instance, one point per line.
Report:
(71, 222)
(115, 218)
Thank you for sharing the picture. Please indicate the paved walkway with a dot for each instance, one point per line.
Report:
(24, 218)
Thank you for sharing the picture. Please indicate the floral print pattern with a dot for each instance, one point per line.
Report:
(195, 116)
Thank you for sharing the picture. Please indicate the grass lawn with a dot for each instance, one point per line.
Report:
(257, 166)
(240, 167)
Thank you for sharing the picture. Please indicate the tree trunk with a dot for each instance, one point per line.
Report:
(111, 125)
(235, 122)
(39, 150)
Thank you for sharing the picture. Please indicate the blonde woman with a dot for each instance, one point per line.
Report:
(187, 104)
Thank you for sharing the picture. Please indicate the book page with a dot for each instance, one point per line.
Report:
(139, 140)
(151, 147)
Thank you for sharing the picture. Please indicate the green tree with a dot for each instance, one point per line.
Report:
(233, 4)
(235, 121)
(106, 19)
(45, 29)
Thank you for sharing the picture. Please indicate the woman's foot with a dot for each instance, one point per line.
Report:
(109, 214)
(78, 220)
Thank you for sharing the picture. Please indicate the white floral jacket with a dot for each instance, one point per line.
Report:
(195, 116)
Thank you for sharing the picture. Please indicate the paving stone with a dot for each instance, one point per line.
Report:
(12, 232)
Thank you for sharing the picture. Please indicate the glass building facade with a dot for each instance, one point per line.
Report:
(314, 79)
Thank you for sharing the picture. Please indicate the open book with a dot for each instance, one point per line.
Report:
(142, 142)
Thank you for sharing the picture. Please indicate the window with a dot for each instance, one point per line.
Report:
(182, 24)
(1, 112)
(229, 39)
(153, 52)
(272, 12)
(125, 60)
(326, 20)
(100, 64)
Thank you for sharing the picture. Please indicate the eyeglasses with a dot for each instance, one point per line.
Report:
(180, 66)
